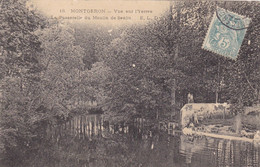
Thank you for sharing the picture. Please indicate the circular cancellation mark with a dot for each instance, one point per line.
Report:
(230, 20)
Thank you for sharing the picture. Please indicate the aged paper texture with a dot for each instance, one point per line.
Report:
(129, 83)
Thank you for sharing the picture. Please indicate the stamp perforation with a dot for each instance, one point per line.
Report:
(222, 39)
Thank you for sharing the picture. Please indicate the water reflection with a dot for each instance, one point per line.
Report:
(90, 141)
(205, 151)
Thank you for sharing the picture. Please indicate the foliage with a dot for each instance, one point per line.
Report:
(19, 49)
(63, 67)
(246, 81)
(40, 75)
(145, 61)
(49, 69)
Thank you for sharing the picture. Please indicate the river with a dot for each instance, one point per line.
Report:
(89, 141)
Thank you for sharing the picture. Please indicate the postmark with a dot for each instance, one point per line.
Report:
(226, 33)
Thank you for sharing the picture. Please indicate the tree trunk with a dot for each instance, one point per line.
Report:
(218, 81)
(173, 95)
(238, 123)
(173, 92)
(170, 46)
(258, 96)
(240, 100)
(217, 96)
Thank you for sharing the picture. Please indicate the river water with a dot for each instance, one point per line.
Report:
(89, 141)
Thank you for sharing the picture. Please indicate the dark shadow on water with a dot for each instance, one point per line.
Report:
(89, 141)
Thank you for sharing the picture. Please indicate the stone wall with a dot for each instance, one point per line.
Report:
(199, 111)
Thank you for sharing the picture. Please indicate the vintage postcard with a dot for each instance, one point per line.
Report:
(129, 83)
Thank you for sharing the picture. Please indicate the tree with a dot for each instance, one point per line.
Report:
(234, 80)
(149, 62)
(63, 67)
(244, 74)
(19, 49)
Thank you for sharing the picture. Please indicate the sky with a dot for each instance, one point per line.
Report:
(101, 12)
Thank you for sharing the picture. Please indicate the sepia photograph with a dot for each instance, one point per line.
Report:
(129, 83)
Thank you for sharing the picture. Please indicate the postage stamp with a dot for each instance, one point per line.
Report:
(226, 33)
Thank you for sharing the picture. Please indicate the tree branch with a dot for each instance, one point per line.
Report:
(255, 90)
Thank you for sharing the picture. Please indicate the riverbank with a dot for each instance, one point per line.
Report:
(221, 121)
(244, 128)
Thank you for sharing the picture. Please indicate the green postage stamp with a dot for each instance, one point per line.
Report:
(226, 33)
